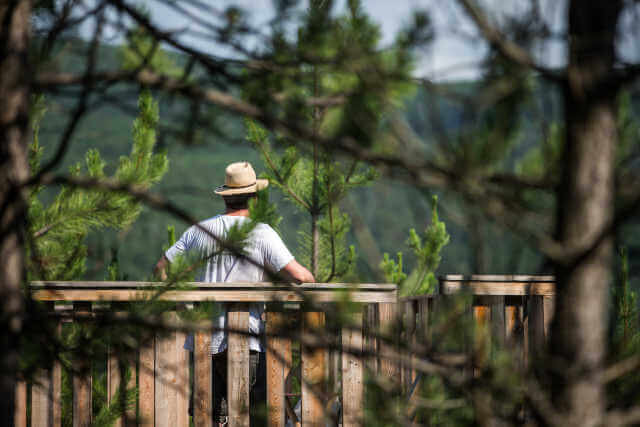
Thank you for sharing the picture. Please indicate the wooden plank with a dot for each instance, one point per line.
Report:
(352, 373)
(481, 336)
(41, 408)
(409, 325)
(146, 383)
(255, 286)
(238, 365)
(498, 288)
(313, 371)
(389, 369)
(497, 278)
(182, 380)
(497, 320)
(113, 384)
(536, 327)
(167, 377)
(211, 295)
(82, 380)
(277, 349)
(548, 310)
(20, 402)
(202, 380)
(514, 336)
(370, 328)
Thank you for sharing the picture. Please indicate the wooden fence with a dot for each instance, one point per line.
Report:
(517, 309)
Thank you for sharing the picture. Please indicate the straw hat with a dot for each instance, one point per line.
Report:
(240, 178)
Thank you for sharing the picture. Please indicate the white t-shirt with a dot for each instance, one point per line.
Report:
(264, 246)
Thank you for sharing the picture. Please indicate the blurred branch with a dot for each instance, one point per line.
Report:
(506, 47)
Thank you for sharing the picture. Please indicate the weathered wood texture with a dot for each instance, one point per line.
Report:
(146, 384)
(202, 380)
(227, 292)
(512, 319)
(352, 373)
(238, 365)
(82, 379)
(313, 371)
(278, 363)
(20, 411)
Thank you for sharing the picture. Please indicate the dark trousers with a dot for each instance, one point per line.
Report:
(257, 386)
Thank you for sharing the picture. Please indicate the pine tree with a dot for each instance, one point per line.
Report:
(316, 178)
(427, 249)
(59, 229)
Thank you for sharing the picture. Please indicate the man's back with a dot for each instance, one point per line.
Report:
(264, 251)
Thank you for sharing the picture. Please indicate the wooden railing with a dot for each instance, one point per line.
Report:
(163, 365)
(516, 309)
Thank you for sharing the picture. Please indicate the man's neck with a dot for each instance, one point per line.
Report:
(237, 212)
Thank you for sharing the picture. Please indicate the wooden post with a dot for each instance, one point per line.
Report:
(352, 373)
(370, 327)
(548, 303)
(82, 380)
(202, 380)
(497, 320)
(238, 365)
(313, 370)
(514, 328)
(41, 410)
(146, 383)
(481, 336)
(389, 369)
(20, 411)
(409, 326)
(278, 363)
(172, 378)
(182, 378)
(114, 381)
(56, 387)
(536, 326)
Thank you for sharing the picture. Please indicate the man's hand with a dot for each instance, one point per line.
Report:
(295, 272)
(160, 270)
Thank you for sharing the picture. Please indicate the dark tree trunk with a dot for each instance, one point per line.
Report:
(585, 209)
(14, 126)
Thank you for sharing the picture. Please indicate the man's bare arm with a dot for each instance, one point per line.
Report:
(295, 272)
(160, 270)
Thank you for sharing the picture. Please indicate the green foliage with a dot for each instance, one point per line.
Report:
(59, 229)
(427, 249)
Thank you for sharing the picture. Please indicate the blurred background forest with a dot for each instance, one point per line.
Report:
(381, 214)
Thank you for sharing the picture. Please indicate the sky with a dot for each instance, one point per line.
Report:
(453, 55)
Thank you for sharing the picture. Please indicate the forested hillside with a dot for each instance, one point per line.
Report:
(381, 214)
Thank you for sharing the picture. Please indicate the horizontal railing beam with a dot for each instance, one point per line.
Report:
(220, 292)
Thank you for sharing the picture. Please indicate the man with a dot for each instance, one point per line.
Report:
(265, 254)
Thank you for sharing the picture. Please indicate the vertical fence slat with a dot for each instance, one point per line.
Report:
(278, 349)
(409, 326)
(166, 378)
(20, 410)
(548, 304)
(238, 365)
(497, 320)
(113, 385)
(352, 373)
(370, 326)
(313, 360)
(182, 379)
(40, 400)
(146, 383)
(514, 328)
(82, 380)
(536, 326)
(56, 387)
(202, 377)
(389, 369)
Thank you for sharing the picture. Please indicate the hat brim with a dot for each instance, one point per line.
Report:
(225, 190)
